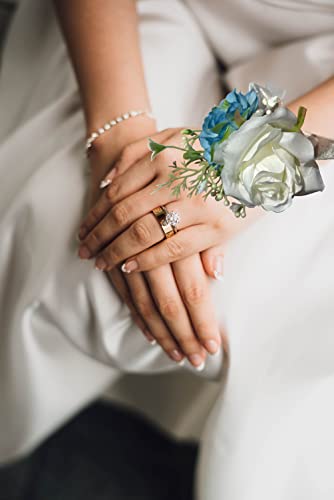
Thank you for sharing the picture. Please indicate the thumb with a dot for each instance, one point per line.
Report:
(213, 261)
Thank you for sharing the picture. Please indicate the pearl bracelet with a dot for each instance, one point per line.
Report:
(109, 125)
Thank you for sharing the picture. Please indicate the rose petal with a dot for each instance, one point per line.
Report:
(312, 178)
(298, 145)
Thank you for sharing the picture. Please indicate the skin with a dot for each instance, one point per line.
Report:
(164, 281)
(165, 304)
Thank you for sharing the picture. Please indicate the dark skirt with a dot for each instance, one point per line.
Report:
(105, 453)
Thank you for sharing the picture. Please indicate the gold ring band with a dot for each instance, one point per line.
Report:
(160, 214)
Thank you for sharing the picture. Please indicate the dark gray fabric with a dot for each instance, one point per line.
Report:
(105, 453)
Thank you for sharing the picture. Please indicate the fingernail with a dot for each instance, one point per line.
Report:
(149, 337)
(84, 253)
(100, 263)
(218, 268)
(176, 355)
(212, 346)
(130, 266)
(197, 361)
(200, 367)
(182, 363)
(105, 183)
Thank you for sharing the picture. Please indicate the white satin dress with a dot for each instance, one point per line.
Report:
(270, 433)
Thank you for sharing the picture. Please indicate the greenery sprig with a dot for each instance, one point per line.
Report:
(201, 178)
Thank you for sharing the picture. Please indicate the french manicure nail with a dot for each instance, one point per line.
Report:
(200, 367)
(84, 253)
(100, 263)
(196, 360)
(218, 268)
(130, 266)
(212, 346)
(105, 183)
(176, 356)
(149, 337)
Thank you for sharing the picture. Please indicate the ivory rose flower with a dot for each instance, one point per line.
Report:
(264, 165)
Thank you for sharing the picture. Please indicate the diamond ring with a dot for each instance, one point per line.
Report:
(168, 220)
(171, 218)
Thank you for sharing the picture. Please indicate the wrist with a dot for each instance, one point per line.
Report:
(108, 147)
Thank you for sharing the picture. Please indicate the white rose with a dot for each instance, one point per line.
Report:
(265, 166)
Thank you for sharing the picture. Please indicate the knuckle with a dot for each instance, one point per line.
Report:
(111, 191)
(174, 248)
(203, 329)
(120, 214)
(141, 233)
(145, 308)
(112, 255)
(169, 308)
(193, 295)
(95, 239)
(92, 218)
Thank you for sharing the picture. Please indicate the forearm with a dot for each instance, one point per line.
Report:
(103, 43)
(320, 109)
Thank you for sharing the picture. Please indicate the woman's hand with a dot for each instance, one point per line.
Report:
(121, 225)
(172, 306)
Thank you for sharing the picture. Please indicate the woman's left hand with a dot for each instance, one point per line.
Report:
(121, 224)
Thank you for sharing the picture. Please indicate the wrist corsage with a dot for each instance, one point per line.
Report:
(253, 150)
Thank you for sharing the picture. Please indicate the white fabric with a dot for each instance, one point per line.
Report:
(50, 301)
(270, 432)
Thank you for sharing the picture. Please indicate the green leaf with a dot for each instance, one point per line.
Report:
(192, 155)
(155, 147)
(188, 131)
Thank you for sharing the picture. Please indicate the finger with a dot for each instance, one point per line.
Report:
(124, 185)
(171, 308)
(194, 290)
(136, 151)
(143, 233)
(126, 180)
(147, 310)
(213, 262)
(121, 216)
(119, 283)
(186, 242)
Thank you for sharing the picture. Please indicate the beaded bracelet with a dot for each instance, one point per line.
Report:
(109, 125)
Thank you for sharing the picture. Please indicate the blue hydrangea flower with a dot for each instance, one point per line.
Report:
(225, 118)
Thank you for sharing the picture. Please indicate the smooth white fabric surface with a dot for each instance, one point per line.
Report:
(50, 301)
(270, 432)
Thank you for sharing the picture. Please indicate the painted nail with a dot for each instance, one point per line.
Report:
(84, 253)
(218, 268)
(100, 263)
(196, 360)
(130, 266)
(182, 363)
(212, 346)
(176, 356)
(105, 183)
